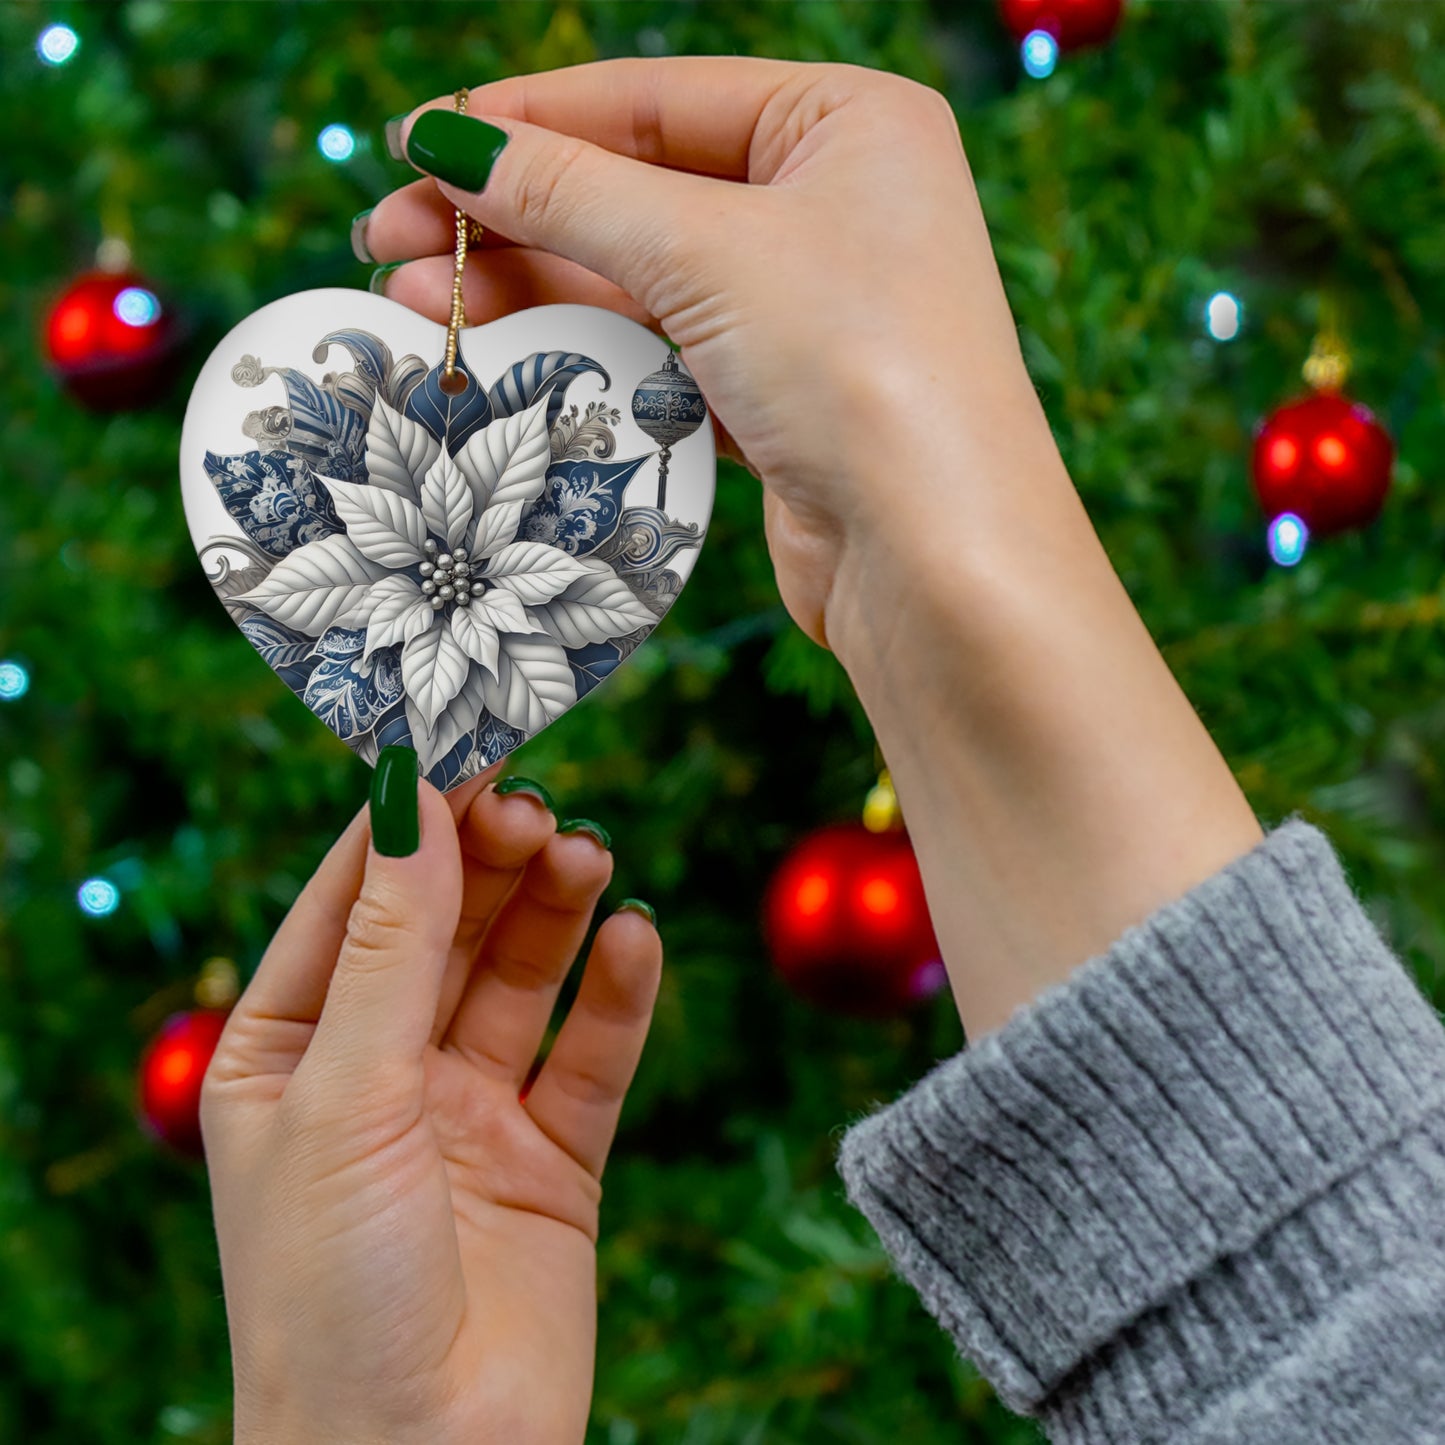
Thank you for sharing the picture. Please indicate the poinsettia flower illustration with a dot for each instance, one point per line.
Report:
(430, 563)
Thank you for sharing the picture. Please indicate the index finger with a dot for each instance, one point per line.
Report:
(698, 113)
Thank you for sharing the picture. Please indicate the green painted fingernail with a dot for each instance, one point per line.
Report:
(359, 248)
(395, 824)
(586, 825)
(377, 284)
(636, 905)
(393, 136)
(455, 148)
(514, 784)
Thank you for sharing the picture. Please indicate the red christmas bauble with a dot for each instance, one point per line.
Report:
(847, 923)
(1324, 458)
(1073, 23)
(111, 341)
(171, 1071)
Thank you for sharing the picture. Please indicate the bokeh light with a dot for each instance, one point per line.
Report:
(14, 681)
(336, 143)
(137, 307)
(1223, 316)
(98, 897)
(1040, 53)
(1288, 538)
(57, 44)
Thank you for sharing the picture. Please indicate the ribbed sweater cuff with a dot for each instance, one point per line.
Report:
(1129, 1156)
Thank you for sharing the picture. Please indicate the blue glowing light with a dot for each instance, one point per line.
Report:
(14, 681)
(1288, 538)
(57, 44)
(1040, 52)
(98, 897)
(336, 143)
(1223, 316)
(137, 307)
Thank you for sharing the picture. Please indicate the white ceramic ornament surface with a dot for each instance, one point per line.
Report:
(447, 573)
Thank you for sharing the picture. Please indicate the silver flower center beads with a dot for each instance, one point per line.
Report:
(446, 577)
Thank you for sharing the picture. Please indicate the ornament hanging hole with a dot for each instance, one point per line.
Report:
(454, 384)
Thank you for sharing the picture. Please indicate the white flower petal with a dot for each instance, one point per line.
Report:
(507, 460)
(535, 571)
(534, 684)
(476, 635)
(504, 610)
(382, 525)
(446, 500)
(433, 669)
(495, 528)
(323, 584)
(398, 451)
(596, 609)
(461, 716)
(397, 613)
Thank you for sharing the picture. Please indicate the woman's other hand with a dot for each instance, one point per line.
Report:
(407, 1244)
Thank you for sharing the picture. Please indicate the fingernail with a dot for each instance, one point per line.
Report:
(359, 248)
(586, 825)
(515, 784)
(636, 905)
(393, 136)
(377, 284)
(455, 148)
(395, 825)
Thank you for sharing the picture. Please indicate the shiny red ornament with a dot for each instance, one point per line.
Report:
(847, 923)
(111, 340)
(171, 1071)
(1073, 23)
(1324, 458)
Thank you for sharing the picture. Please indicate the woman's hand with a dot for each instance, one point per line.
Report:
(407, 1246)
(811, 238)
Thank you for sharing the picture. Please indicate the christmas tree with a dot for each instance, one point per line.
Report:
(1214, 161)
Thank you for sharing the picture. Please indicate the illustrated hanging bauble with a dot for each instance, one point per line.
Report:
(668, 406)
(847, 923)
(111, 341)
(1326, 459)
(1073, 23)
(171, 1071)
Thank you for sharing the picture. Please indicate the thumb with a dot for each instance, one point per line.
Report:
(640, 226)
(382, 1000)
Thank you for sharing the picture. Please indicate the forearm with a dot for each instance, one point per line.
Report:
(1056, 782)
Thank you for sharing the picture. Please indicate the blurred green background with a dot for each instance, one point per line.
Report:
(1292, 154)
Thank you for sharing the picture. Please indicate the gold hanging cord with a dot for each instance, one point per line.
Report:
(453, 383)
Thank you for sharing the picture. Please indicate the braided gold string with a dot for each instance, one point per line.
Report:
(467, 230)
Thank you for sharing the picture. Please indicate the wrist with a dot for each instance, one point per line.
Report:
(1057, 784)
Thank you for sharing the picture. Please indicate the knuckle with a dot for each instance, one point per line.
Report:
(520, 970)
(924, 102)
(542, 189)
(374, 934)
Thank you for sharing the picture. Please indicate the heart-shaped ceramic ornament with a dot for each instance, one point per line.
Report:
(451, 572)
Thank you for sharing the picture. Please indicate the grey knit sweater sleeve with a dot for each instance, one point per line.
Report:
(1196, 1192)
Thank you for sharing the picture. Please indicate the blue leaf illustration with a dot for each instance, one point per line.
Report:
(580, 504)
(278, 645)
(454, 418)
(371, 354)
(340, 643)
(322, 428)
(349, 695)
(445, 772)
(392, 728)
(520, 385)
(592, 663)
(274, 497)
(494, 739)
